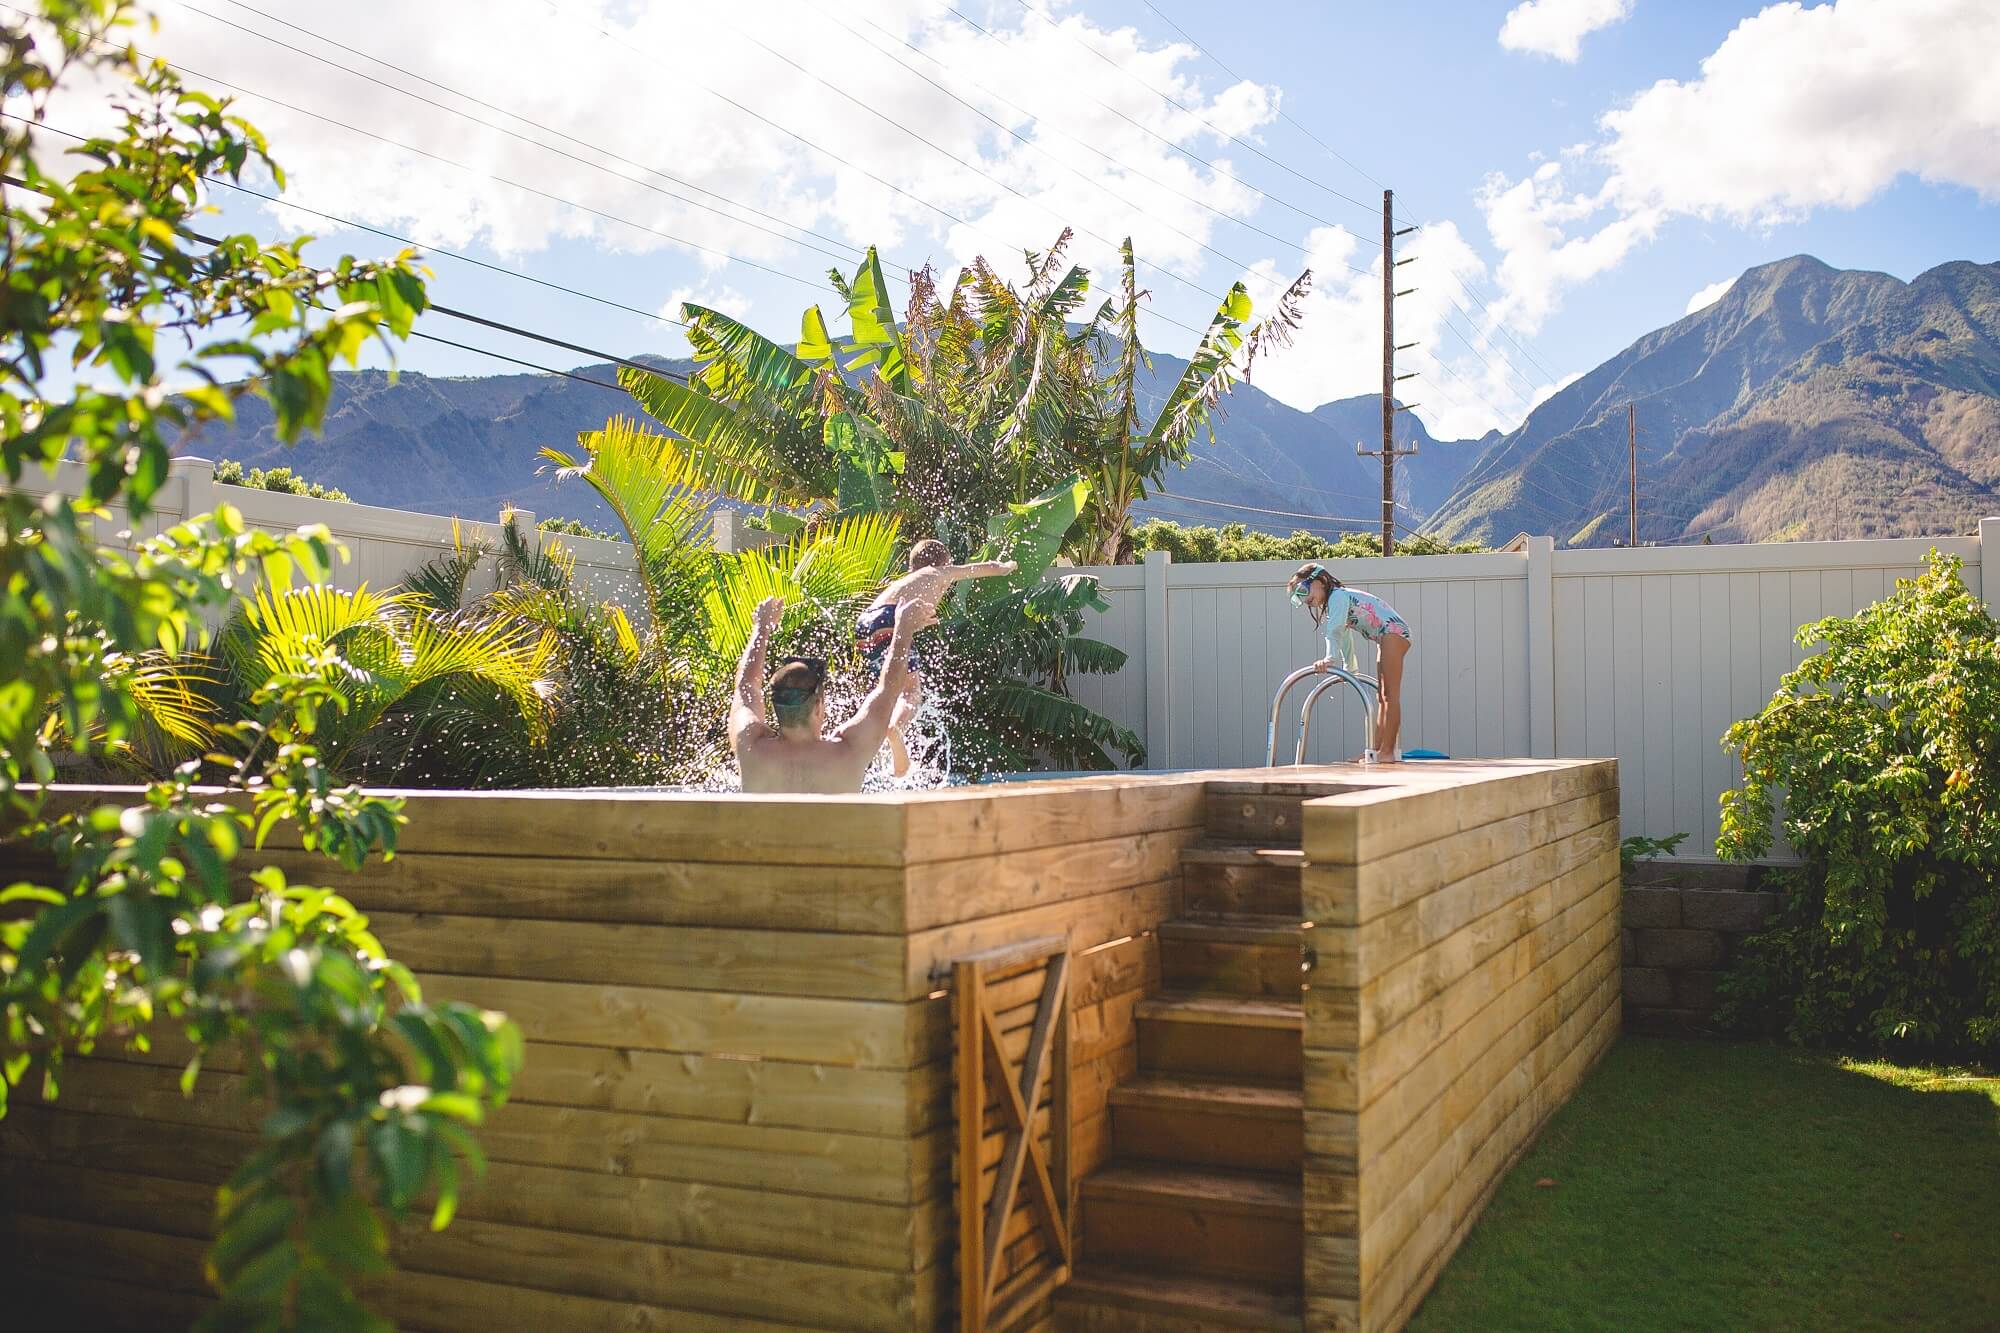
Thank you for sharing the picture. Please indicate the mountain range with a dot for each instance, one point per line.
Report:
(1807, 402)
(467, 445)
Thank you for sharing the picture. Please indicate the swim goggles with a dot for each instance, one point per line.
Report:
(785, 696)
(1301, 591)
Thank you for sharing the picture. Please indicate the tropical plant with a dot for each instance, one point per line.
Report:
(1124, 457)
(702, 602)
(1875, 759)
(1237, 541)
(576, 527)
(374, 652)
(368, 1090)
(281, 479)
(1639, 847)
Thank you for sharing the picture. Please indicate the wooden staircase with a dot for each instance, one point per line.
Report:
(1196, 1220)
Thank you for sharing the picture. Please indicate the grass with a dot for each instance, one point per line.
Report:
(1694, 1185)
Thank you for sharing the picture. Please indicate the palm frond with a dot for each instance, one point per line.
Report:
(1274, 332)
(440, 583)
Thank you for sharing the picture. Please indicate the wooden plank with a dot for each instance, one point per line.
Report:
(889, 1102)
(847, 1166)
(955, 824)
(1083, 922)
(657, 892)
(746, 962)
(943, 893)
(1333, 1076)
(631, 1207)
(651, 1271)
(969, 1080)
(868, 1034)
(1392, 996)
(1353, 956)
(623, 825)
(1386, 1061)
(1393, 1181)
(1402, 1282)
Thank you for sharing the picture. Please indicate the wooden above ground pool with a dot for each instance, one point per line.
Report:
(737, 1110)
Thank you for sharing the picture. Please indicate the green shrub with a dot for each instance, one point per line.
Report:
(1236, 541)
(576, 527)
(282, 479)
(1881, 752)
(1639, 848)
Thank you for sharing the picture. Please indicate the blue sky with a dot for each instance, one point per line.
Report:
(1571, 204)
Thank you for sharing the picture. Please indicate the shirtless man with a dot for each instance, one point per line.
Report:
(931, 575)
(791, 754)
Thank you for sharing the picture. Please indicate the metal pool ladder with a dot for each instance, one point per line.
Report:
(1365, 687)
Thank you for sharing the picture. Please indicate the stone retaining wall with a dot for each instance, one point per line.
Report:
(1682, 925)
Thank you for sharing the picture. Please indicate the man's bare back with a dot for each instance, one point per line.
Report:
(795, 755)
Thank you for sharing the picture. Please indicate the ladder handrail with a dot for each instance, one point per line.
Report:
(1277, 707)
(1366, 687)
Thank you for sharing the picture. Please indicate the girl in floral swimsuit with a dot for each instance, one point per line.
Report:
(1336, 608)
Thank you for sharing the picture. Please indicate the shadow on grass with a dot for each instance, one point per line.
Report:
(1710, 1186)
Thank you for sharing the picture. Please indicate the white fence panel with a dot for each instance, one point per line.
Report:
(1658, 650)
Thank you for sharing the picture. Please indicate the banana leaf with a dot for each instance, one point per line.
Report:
(1031, 535)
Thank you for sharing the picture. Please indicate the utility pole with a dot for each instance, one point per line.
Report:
(1632, 462)
(1388, 453)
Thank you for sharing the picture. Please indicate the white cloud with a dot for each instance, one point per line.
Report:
(1798, 109)
(1708, 295)
(1557, 27)
(1465, 380)
(673, 88)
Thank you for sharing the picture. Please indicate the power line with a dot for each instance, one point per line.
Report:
(501, 356)
(1284, 114)
(1186, 110)
(1192, 156)
(1096, 184)
(942, 212)
(1275, 513)
(440, 158)
(947, 154)
(1355, 167)
(441, 250)
(546, 129)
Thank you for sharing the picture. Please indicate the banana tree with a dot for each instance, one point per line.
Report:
(702, 602)
(1125, 456)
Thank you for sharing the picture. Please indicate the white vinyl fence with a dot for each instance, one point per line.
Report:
(1645, 655)
(383, 545)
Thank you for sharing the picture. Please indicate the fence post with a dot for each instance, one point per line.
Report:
(1159, 665)
(1989, 556)
(195, 489)
(1541, 647)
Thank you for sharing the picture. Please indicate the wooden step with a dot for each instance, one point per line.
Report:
(1196, 1122)
(1242, 955)
(1227, 1038)
(1263, 818)
(1100, 1298)
(1178, 1219)
(1241, 880)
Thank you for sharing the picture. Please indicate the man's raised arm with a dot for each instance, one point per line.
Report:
(746, 706)
(869, 726)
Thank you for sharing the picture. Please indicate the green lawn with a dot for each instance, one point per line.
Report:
(1711, 1186)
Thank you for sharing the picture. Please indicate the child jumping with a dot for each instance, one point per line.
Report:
(931, 575)
(1335, 608)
